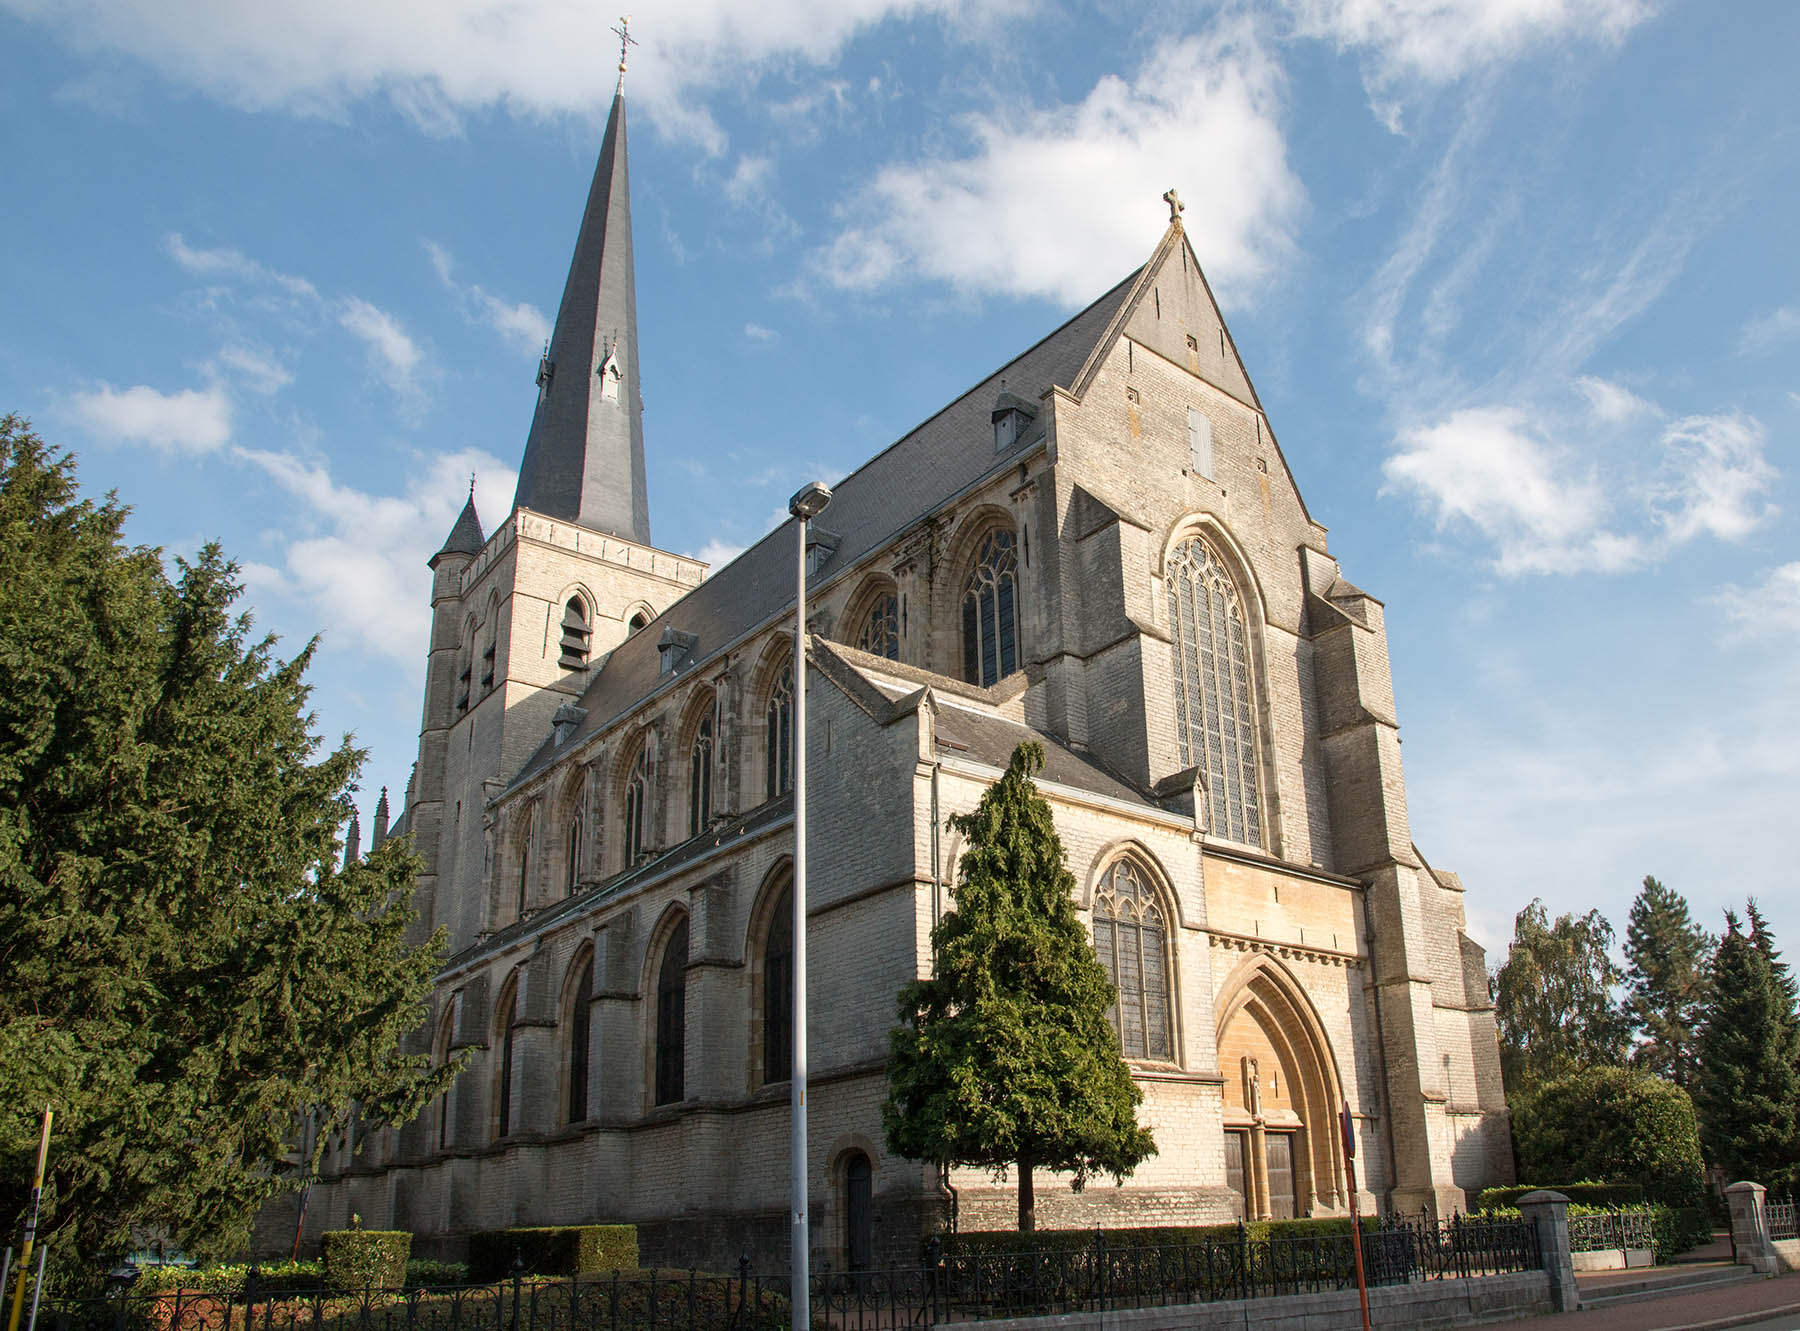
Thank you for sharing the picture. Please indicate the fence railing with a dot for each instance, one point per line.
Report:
(1781, 1219)
(1608, 1231)
(945, 1287)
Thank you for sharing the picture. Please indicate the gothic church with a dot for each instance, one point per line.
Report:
(1099, 547)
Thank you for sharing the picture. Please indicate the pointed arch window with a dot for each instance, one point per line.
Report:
(577, 631)
(700, 765)
(637, 800)
(580, 1032)
(503, 1077)
(780, 718)
(1131, 939)
(464, 669)
(440, 1055)
(572, 877)
(524, 865)
(990, 610)
(881, 629)
(778, 991)
(1214, 716)
(671, 1018)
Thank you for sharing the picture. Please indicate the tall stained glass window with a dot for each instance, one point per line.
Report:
(1215, 720)
(1132, 941)
(781, 733)
(990, 610)
(881, 630)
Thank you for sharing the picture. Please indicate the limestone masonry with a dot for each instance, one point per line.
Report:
(1099, 547)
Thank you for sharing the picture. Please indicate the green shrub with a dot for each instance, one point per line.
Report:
(1614, 1125)
(560, 1250)
(366, 1258)
(229, 1278)
(423, 1274)
(1601, 1195)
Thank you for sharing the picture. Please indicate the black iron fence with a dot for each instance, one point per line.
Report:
(1781, 1219)
(1612, 1231)
(944, 1288)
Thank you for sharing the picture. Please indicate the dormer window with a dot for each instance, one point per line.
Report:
(576, 632)
(821, 545)
(673, 650)
(1012, 416)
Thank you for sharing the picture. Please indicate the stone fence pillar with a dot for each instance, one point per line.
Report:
(1549, 1211)
(1750, 1227)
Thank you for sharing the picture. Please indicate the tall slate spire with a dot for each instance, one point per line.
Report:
(584, 458)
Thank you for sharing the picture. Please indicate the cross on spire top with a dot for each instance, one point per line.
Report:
(626, 41)
(1175, 206)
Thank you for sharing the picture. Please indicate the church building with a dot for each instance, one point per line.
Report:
(1099, 547)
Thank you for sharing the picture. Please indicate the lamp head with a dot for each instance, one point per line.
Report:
(810, 501)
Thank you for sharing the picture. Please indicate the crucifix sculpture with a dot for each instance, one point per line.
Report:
(1171, 198)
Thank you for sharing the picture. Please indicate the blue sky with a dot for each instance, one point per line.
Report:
(1516, 279)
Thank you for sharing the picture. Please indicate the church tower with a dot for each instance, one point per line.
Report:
(525, 616)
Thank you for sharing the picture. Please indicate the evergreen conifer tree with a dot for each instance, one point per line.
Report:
(187, 971)
(1763, 939)
(1005, 1056)
(1749, 1074)
(1667, 956)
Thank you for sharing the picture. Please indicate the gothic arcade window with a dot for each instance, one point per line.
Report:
(1214, 719)
(503, 1117)
(580, 1031)
(881, 630)
(780, 748)
(700, 764)
(990, 610)
(440, 1055)
(637, 799)
(576, 631)
(524, 865)
(572, 873)
(1131, 939)
(671, 1018)
(778, 991)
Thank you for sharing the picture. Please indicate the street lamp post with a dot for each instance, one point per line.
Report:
(804, 506)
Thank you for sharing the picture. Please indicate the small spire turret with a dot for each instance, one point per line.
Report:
(381, 822)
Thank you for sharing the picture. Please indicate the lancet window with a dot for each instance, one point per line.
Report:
(1215, 720)
(503, 1105)
(637, 801)
(778, 991)
(700, 766)
(671, 1018)
(881, 628)
(990, 610)
(576, 633)
(780, 739)
(580, 1032)
(1131, 939)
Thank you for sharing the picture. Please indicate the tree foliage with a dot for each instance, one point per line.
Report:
(1553, 999)
(186, 972)
(1667, 957)
(1005, 1056)
(1611, 1125)
(1748, 1089)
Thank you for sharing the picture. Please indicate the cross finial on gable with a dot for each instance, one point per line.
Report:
(1175, 206)
(626, 41)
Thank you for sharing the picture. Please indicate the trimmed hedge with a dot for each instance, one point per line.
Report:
(1065, 1240)
(559, 1250)
(276, 1277)
(1602, 1195)
(424, 1274)
(366, 1258)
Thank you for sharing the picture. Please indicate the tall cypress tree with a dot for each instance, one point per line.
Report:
(1667, 956)
(1005, 1056)
(1749, 1076)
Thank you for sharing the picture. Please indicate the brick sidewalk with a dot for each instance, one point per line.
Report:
(1702, 1310)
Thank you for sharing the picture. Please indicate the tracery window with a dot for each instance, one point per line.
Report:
(637, 800)
(990, 610)
(1132, 942)
(580, 1031)
(781, 733)
(1214, 717)
(508, 1004)
(881, 630)
(700, 765)
(576, 632)
(440, 1055)
(671, 1018)
(573, 873)
(778, 991)
(524, 865)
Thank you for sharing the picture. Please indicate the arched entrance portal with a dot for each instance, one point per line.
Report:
(1282, 1092)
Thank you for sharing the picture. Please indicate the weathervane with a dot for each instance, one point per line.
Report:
(626, 41)
(1175, 206)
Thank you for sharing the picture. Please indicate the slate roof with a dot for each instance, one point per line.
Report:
(465, 536)
(942, 457)
(992, 739)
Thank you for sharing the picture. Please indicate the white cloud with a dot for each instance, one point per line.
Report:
(1487, 466)
(396, 356)
(357, 561)
(523, 325)
(190, 421)
(1770, 330)
(257, 370)
(232, 263)
(716, 553)
(1611, 403)
(757, 333)
(1441, 40)
(1051, 201)
(1770, 608)
(1715, 479)
(437, 59)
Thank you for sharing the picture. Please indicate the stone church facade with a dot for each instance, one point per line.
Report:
(1099, 547)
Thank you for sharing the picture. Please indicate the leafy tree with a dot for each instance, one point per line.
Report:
(1611, 1125)
(1748, 1090)
(1553, 999)
(1667, 956)
(1005, 1055)
(186, 972)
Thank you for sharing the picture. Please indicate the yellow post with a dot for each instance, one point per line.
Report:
(31, 1219)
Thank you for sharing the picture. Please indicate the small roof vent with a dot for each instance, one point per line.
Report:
(674, 649)
(1012, 415)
